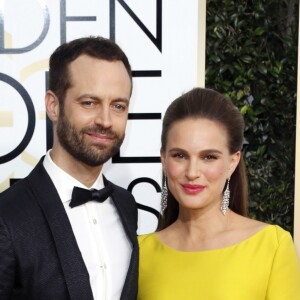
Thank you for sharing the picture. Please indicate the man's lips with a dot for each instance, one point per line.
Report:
(193, 188)
(99, 137)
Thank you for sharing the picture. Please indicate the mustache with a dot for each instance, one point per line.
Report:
(98, 129)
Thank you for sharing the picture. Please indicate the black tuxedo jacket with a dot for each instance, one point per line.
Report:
(39, 256)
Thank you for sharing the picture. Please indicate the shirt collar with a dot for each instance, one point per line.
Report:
(64, 182)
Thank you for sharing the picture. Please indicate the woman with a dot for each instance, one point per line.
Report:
(206, 248)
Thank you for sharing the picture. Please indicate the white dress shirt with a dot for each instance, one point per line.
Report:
(99, 233)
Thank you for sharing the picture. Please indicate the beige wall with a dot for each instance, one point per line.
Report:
(201, 42)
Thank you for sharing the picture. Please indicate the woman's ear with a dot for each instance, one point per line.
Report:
(163, 160)
(52, 106)
(235, 159)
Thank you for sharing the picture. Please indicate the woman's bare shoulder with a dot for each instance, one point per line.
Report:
(246, 226)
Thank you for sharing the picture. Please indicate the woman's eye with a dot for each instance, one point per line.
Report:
(210, 157)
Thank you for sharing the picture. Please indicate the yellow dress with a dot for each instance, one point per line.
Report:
(262, 267)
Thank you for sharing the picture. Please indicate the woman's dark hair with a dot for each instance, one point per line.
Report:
(97, 47)
(211, 105)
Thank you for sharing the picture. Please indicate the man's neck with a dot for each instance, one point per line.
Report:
(84, 173)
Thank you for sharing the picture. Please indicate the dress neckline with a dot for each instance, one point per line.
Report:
(253, 236)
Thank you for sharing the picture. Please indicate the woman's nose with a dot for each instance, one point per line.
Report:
(193, 170)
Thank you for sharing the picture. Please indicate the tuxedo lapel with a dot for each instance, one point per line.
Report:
(127, 210)
(74, 269)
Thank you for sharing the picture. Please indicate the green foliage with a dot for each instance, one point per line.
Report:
(251, 56)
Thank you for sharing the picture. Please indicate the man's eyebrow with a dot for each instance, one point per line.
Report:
(94, 97)
(87, 96)
(121, 99)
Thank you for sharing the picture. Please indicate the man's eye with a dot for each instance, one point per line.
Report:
(88, 103)
(119, 107)
(178, 155)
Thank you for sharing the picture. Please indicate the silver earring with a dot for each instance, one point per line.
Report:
(225, 200)
(164, 196)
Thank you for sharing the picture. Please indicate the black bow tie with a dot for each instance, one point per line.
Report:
(81, 196)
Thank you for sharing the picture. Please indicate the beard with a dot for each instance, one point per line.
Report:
(74, 143)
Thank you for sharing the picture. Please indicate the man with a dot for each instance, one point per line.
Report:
(50, 246)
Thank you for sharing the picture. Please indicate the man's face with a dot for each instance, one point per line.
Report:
(91, 124)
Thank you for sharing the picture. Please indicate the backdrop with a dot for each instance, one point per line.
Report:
(161, 39)
(297, 168)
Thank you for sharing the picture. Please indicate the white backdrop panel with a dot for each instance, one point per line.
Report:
(160, 38)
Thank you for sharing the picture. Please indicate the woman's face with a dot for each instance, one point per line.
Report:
(197, 162)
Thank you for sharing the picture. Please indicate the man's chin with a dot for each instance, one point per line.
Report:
(96, 154)
(106, 146)
(93, 162)
(98, 157)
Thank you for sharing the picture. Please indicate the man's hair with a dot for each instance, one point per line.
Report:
(94, 46)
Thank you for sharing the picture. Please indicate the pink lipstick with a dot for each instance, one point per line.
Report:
(193, 189)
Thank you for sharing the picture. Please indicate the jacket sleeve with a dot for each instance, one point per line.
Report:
(284, 281)
(7, 263)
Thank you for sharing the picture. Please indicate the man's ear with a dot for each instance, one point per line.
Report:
(52, 106)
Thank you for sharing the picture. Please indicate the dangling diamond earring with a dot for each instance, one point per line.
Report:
(225, 200)
(164, 196)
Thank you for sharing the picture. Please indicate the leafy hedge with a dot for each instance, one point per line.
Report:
(251, 55)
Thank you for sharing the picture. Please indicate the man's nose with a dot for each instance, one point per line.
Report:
(103, 117)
